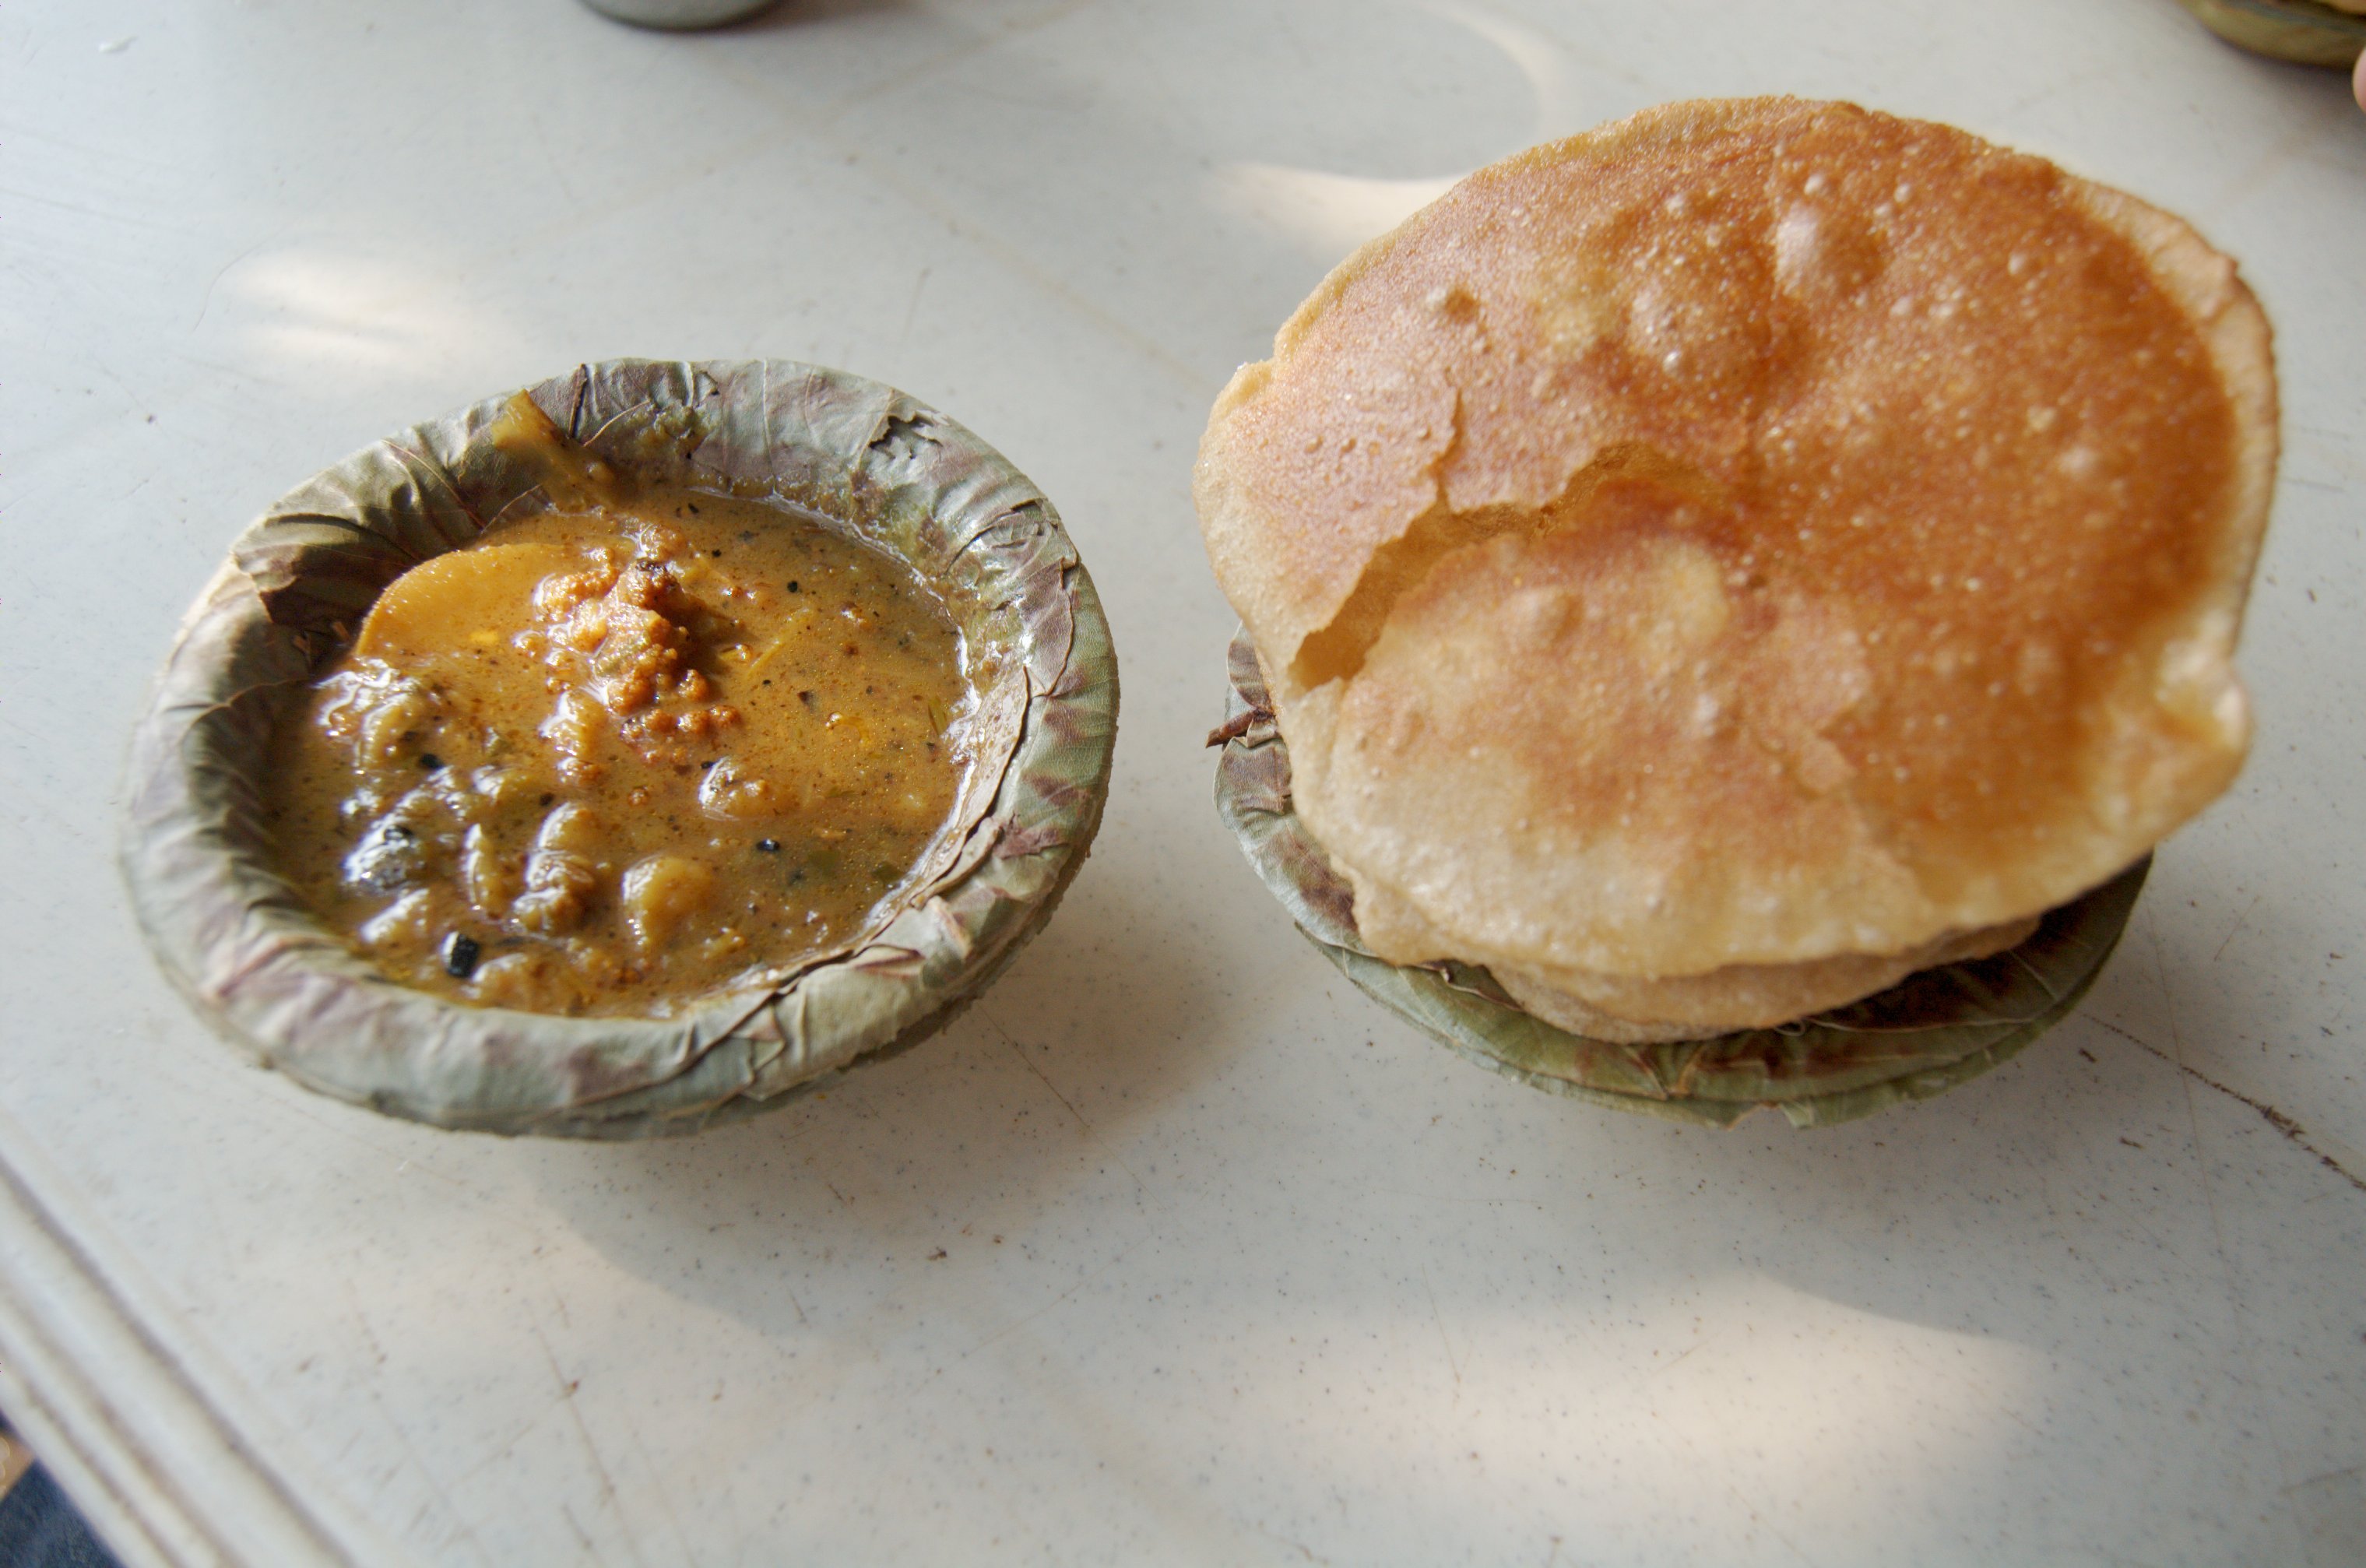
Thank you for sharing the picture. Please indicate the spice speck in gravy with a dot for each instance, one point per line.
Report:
(610, 759)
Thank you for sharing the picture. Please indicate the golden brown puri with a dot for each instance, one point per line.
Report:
(1752, 534)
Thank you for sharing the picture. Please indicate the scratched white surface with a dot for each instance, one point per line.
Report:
(1175, 1249)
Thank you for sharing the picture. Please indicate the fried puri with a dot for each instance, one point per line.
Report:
(1712, 567)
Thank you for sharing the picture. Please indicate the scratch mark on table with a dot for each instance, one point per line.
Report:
(550, 159)
(2328, 1475)
(1453, 1197)
(2274, 1118)
(361, 1322)
(1697, 1346)
(1760, 1519)
(86, 209)
(499, 1446)
(665, 1497)
(1021, 1052)
(1299, 1547)
(590, 1552)
(65, 825)
(912, 308)
(418, 1461)
(803, 1321)
(608, 1493)
(205, 301)
(2249, 1382)
(1091, 1136)
(2239, 922)
(1014, 1325)
(2030, 100)
(1439, 1318)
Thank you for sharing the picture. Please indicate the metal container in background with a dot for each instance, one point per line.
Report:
(2298, 31)
(679, 15)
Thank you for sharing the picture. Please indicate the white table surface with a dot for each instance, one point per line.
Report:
(1175, 1249)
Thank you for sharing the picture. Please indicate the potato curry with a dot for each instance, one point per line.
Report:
(610, 759)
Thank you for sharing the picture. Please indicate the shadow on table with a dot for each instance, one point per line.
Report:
(1961, 1213)
(997, 1137)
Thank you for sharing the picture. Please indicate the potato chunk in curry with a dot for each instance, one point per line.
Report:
(609, 760)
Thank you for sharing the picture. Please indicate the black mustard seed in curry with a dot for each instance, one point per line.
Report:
(614, 759)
